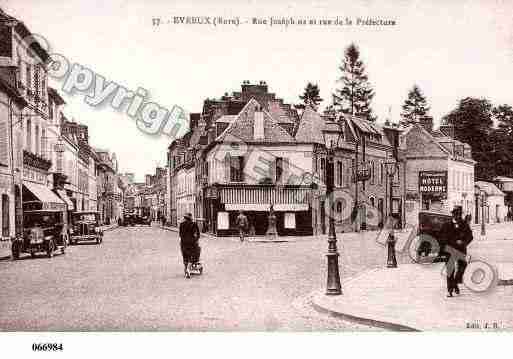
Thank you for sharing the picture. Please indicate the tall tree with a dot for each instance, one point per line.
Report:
(356, 93)
(415, 106)
(502, 140)
(472, 123)
(503, 114)
(310, 97)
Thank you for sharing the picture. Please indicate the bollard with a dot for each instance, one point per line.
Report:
(391, 260)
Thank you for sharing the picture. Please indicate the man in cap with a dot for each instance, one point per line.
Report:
(458, 236)
(189, 237)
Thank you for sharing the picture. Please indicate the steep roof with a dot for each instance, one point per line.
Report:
(310, 127)
(421, 143)
(503, 179)
(489, 188)
(242, 127)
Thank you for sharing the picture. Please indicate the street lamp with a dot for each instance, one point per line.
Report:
(483, 201)
(391, 167)
(331, 135)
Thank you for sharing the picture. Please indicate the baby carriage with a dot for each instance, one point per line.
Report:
(194, 266)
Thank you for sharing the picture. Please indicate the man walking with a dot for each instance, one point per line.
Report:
(242, 224)
(189, 237)
(458, 236)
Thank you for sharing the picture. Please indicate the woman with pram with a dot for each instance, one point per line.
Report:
(189, 238)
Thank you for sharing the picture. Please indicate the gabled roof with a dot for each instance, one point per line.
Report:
(242, 127)
(503, 179)
(278, 113)
(489, 188)
(310, 127)
(420, 143)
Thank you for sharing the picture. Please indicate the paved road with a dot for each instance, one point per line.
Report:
(134, 281)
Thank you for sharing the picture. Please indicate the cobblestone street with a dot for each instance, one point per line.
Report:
(134, 281)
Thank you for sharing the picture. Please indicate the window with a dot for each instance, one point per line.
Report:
(236, 169)
(43, 144)
(339, 173)
(29, 135)
(50, 111)
(5, 215)
(323, 169)
(279, 168)
(28, 78)
(36, 141)
(372, 172)
(381, 172)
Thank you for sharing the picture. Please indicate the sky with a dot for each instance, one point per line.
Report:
(451, 49)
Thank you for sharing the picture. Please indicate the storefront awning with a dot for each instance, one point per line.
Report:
(45, 199)
(259, 207)
(62, 194)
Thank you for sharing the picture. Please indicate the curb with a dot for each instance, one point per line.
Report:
(361, 320)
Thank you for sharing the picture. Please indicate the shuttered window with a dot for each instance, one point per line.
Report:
(4, 144)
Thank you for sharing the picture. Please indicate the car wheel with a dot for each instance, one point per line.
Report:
(50, 249)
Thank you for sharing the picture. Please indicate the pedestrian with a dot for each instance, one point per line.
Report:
(458, 236)
(242, 225)
(189, 238)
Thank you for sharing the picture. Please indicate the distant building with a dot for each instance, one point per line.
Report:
(495, 210)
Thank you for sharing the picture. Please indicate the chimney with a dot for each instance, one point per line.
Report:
(258, 124)
(427, 123)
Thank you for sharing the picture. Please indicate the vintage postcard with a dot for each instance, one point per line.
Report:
(244, 166)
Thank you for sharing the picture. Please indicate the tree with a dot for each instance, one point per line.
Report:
(310, 97)
(472, 123)
(415, 106)
(502, 135)
(356, 94)
(503, 114)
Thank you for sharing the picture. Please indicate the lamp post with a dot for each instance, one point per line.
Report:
(331, 136)
(483, 200)
(391, 258)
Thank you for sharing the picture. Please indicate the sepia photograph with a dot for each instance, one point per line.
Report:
(314, 167)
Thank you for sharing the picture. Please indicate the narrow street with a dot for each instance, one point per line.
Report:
(134, 281)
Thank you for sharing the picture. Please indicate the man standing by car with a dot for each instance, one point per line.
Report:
(458, 236)
(189, 237)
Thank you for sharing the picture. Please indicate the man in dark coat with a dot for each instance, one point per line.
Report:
(458, 236)
(189, 237)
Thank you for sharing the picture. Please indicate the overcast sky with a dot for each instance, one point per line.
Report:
(451, 51)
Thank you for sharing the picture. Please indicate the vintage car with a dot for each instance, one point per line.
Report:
(43, 231)
(85, 226)
(432, 241)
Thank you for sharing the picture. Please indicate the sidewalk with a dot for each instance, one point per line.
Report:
(413, 297)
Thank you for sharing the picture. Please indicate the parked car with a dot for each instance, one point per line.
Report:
(43, 231)
(431, 236)
(85, 226)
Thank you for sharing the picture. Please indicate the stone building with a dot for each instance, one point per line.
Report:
(439, 171)
(256, 154)
(494, 208)
(11, 105)
(505, 184)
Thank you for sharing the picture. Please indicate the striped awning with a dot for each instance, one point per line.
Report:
(259, 207)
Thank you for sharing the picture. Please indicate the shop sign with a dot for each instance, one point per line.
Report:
(433, 183)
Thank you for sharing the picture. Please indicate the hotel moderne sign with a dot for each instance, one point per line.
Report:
(433, 183)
